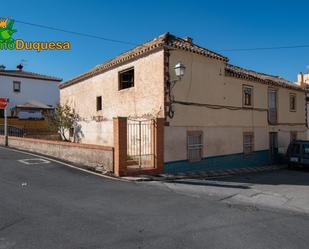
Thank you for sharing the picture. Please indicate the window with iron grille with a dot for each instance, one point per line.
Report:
(292, 102)
(248, 142)
(195, 145)
(126, 79)
(272, 106)
(247, 96)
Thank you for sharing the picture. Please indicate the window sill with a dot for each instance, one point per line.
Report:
(125, 89)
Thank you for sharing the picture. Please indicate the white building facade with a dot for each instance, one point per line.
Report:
(29, 93)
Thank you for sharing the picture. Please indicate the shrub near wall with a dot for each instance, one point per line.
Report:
(82, 154)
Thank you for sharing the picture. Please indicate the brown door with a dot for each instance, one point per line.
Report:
(273, 146)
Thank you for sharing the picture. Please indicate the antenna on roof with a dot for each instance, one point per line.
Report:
(20, 67)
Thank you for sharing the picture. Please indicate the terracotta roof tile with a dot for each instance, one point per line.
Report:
(166, 40)
(25, 74)
(247, 74)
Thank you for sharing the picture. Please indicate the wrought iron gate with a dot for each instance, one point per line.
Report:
(140, 143)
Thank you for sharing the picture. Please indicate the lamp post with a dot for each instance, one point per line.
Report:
(179, 72)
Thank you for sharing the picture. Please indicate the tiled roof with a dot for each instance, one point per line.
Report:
(25, 74)
(166, 40)
(251, 75)
(35, 104)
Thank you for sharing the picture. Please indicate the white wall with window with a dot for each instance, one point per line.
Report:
(22, 90)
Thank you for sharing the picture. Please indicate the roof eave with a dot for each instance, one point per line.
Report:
(30, 77)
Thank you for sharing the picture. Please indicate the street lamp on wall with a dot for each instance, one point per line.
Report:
(179, 72)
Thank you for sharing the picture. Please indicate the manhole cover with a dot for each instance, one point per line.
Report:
(33, 161)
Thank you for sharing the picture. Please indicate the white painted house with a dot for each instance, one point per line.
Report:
(30, 94)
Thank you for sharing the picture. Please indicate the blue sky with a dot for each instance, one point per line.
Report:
(212, 24)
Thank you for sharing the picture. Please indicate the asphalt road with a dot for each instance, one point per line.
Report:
(50, 206)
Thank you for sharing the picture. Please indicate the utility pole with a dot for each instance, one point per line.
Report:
(4, 105)
(6, 143)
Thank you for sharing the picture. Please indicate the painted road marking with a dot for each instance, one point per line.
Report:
(67, 164)
(33, 161)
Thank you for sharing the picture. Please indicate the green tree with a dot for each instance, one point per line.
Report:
(62, 120)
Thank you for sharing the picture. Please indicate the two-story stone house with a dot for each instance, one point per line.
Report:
(216, 115)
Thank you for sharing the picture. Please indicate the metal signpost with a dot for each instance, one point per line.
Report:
(3, 105)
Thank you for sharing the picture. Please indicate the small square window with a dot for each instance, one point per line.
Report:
(292, 102)
(247, 96)
(248, 142)
(16, 86)
(99, 103)
(195, 146)
(126, 79)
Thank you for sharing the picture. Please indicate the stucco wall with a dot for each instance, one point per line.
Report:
(145, 98)
(204, 82)
(84, 155)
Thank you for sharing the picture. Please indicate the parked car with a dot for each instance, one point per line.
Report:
(298, 153)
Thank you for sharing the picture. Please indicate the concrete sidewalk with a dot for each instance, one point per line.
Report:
(280, 189)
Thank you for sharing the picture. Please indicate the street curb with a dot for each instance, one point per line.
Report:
(204, 174)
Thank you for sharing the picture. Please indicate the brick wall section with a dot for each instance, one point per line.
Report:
(159, 144)
(120, 145)
(81, 154)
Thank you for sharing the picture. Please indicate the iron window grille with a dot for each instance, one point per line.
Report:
(248, 142)
(195, 145)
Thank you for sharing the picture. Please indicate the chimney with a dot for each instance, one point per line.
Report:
(20, 67)
(300, 77)
(188, 39)
(2, 67)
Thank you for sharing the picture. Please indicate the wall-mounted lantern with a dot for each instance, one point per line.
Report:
(179, 69)
(179, 72)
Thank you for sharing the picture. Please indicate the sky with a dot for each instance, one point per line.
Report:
(216, 25)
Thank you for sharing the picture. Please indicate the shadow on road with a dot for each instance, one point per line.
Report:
(212, 184)
(297, 176)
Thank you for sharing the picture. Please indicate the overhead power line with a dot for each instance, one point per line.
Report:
(135, 44)
(76, 33)
(262, 48)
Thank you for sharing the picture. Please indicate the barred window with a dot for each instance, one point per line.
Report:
(195, 145)
(292, 102)
(247, 96)
(248, 142)
(272, 106)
